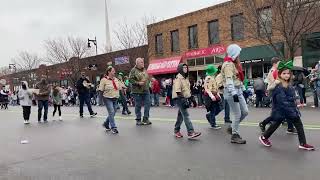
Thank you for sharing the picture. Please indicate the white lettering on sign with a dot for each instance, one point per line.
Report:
(164, 64)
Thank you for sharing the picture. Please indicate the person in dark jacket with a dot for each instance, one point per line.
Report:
(284, 107)
(83, 87)
(43, 99)
(259, 90)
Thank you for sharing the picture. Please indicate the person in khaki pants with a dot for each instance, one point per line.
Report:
(181, 92)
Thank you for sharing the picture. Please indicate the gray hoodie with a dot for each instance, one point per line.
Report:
(25, 96)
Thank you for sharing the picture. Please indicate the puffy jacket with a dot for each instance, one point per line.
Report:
(283, 103)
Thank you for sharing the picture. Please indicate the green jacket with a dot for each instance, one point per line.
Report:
(137, 75)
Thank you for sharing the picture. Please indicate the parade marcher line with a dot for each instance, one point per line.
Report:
(245, 124)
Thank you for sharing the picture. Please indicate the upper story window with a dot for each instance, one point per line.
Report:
(159, 44)
(193, 36)
(265, 22)
(237, 27)
(213, 30)
(175, 45)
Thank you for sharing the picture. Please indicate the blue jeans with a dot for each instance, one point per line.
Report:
(214, 111)
(43, 104)
(110, 103)
(300, 92)
(85, 98)
(139, 99)
(226, 111)
(239, 109)
(183, 115)
(156, 99)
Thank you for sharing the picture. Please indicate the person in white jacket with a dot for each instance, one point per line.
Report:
(25, 97)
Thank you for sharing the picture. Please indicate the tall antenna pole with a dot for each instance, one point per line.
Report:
(108, 38)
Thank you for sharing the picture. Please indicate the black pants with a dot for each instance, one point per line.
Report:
(26, 112)
(297, 124)
(55, 109)
(259, 96)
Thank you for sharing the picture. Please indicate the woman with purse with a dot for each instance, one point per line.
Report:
(211, 96)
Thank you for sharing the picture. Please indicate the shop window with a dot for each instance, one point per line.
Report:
(210, 60)
(193, 37)
(219, 60)
(199, 61)
(201, 74)
(265, 22)
(266, 68)
(159, 44)
(175, 45)
(237, 27)
(191, 62)
(213, 29)
(257, 70)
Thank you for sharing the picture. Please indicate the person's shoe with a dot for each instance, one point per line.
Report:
(139, 123)
(194, 135)
(229, 130)
(128, 112)
(81, 116)
(28, 122)
(208, 117)
(305, 105)
(215, 127)
(262, 127)
(45, 121)
(227, 121)
(60, 118)
(106, 127)
(236, 139)
(306, 147)
(313, 106)
(178, 134)
(124, 113)
(292, 131)
(25, 122)
(265, 141)
(146, 121)
(114, 131)
(93, 115)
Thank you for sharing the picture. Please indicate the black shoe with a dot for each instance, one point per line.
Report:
(146, 121)
(262, 127)
(236, 139)
(292, 131)
(139, 123)
(39, 121)
(114, 131)
(81, 116)
(124, 113)
(106, 127)
(227, 121)
(93, 115)
(229, 130)
(45, 121)
(129, 112)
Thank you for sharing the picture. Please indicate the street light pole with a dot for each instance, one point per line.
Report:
(94, 41)
(13, 66)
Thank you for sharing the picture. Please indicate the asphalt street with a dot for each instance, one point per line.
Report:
(80, 149)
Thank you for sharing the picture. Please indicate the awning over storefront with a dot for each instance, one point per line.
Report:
(261, 53)
(164, 66)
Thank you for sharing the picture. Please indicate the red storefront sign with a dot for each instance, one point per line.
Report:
(210, 51)
(164, 66)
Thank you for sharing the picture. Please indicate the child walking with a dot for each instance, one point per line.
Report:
(57, 101)
(25, 97)
(284, 107)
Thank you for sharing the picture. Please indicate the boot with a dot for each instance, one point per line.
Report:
(139, 123)
(236, 139)
(146, 121)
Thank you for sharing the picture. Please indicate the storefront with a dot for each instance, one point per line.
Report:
(197, 60)
(256, 60)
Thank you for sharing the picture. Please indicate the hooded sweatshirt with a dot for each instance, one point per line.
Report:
(25, 96)
(181, 84)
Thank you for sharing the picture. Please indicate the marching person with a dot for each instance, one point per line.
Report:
(25, 97)
(139, 80)
(111, 87)
(233, 78)
(123, 96)
(83, 87)
(57, 100)
(181, 92)
(211, 96)
(284, 106)
(43, 99)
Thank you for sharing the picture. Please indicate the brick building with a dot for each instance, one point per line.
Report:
(66, 74)
(201, 37)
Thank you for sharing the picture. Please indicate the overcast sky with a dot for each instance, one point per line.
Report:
(25, 24)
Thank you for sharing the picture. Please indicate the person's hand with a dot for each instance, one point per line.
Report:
(213, 98)
(277, 81)
(141, 83)
(235, 98)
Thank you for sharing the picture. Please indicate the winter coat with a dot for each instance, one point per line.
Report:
(25, 96)
(57, 100)
(283, 103)
(156, 87)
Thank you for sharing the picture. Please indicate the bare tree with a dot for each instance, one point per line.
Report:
(68, 51)
(4, 71)
(273, 21)
(26, 61)
(133, 35)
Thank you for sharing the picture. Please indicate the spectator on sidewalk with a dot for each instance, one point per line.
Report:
(259, 90)
(155, 91)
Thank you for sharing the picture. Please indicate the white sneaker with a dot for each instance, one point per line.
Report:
(25, 122)
(313, 106)
(28, 122)
(60, 118)
(305, 105)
